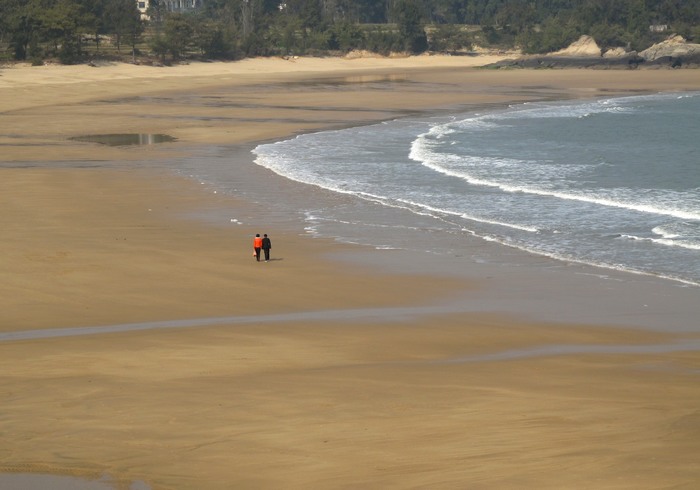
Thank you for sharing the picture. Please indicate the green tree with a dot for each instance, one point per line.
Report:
(159, 46)
(608, 36)
(123, 19)
(156, 12)
(95, 19)
(555, 33)
(222, 28)
(449, 37)
(514, 17)
(410, 24)
(62, 25)
(447, 12)
(22, 23)
(178, 34)
(9, 10)
(211, 39)
(345, 36)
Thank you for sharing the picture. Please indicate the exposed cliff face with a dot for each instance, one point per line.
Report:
(673, 47)
(584, 46)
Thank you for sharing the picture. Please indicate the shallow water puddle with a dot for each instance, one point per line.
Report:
(125, 139)
(32, 481)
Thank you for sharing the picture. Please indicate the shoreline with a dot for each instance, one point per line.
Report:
(112, 236)
(623, 298)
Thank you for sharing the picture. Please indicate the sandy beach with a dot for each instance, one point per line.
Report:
(200, 368)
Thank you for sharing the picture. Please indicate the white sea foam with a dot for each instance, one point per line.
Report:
(677, 243)
(625, 197)
(566, 111)
(469, 217)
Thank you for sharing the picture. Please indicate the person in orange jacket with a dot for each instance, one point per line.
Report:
(257, 245)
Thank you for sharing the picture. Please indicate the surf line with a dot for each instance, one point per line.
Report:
(366, 314)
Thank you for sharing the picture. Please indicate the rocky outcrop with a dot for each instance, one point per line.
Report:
(674, 49)
(583, 53)
(552, 62)
(585, 46)
(674, 52)
(616, 53)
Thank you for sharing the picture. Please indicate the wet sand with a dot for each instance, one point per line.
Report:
(321, 368)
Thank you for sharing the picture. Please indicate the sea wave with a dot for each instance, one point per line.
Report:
(630, 199)
(669, 242)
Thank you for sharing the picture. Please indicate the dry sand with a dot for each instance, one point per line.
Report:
(95, 235)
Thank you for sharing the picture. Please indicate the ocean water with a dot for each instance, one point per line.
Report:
(612, 182)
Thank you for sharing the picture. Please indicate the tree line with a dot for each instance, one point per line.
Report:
(70, 30)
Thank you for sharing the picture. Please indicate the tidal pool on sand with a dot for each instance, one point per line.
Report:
(125, 139)
(33, 481)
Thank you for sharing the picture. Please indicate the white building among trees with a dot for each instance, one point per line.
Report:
(143, 5)
(168, 6)
(181, 5)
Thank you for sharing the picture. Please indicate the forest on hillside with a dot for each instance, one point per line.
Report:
(75, 30)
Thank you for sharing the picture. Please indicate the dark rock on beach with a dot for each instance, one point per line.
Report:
(630, 61)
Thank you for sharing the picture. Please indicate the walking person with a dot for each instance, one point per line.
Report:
(257, 245)
(266, 246)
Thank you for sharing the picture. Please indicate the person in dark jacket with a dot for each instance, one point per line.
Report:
(266, 246)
